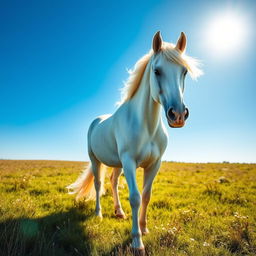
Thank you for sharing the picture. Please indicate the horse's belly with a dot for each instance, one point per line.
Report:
(110, 159)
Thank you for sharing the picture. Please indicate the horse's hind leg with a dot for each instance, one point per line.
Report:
(114, 183)
(97, 183)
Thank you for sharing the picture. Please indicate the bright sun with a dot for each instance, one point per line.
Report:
(226, 33)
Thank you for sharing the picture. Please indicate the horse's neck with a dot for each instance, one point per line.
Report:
(147, 109)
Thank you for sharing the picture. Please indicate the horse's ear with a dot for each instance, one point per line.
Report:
(182, 42)
(157, 42)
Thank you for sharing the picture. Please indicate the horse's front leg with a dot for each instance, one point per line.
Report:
(129, 167)
(149, 175)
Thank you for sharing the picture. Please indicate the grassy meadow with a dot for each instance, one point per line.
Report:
(196, 209)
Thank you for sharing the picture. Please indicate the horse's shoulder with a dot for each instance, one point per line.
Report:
(127, 121)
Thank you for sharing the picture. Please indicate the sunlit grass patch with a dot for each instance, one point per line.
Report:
(196, 209)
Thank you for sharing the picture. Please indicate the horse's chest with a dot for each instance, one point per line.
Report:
(149, 152)
(142, 145)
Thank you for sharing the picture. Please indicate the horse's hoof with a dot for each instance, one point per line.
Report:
(144, 231)
(138, 251)
(99, 216)
(120, 214)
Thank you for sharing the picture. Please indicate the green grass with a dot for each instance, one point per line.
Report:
(196, 209)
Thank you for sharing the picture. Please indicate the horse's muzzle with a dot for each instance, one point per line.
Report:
(176, 119)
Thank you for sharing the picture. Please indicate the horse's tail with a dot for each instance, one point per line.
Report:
(84, 185)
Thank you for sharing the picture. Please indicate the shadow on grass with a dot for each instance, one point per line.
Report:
(121, 249)
(57, 234)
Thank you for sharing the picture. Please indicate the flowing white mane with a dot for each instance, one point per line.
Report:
(169, 51)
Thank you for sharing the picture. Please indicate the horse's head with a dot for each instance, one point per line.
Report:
(167, 77)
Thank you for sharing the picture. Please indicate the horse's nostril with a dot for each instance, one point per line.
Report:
(186, 113)
(171, 114)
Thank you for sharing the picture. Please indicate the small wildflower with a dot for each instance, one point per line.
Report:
(192, 239)
(206, 244)
(174, 229)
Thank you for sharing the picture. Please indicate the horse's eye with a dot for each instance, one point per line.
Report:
(157, 72)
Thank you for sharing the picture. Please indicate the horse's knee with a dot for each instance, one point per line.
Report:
(113, 180)
(97, 184)
(135, 199)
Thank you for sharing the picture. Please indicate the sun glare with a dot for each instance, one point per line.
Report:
(226, 33)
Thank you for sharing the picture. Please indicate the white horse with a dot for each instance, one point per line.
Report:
(135, 136)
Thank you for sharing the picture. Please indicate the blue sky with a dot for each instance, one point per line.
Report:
(62, 63)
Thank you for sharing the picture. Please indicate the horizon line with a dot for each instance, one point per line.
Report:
(168, 161)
